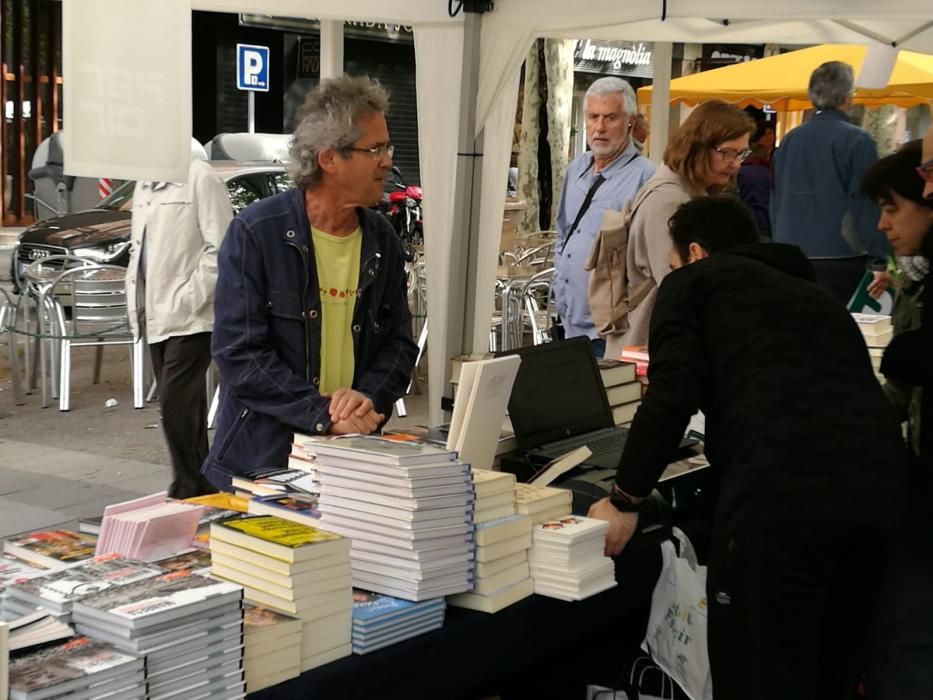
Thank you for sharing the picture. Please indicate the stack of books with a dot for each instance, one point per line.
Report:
(271, 647)
(56, 591)
(217, 506)
(12, 568)
(495, 495)
(637, 355)
(273, 482)
(542, 503)
(294, 569)
(502, 571)
(147, 528)
(78, 668)
(380, 620)
(408, 509)
(877, 331)
(188, 626)
(567, 560)
(299, 509)
(622, 388)
(34, 629)
(52, 548)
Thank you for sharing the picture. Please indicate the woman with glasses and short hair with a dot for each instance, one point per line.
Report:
(702, 158)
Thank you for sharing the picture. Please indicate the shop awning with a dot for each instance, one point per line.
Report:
(781, 81)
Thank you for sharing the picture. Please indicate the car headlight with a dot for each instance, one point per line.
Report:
(103, 254)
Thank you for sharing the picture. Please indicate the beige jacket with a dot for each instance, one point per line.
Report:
(181, 226)
(648, 254)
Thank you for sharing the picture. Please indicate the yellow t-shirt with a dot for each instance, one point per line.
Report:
(338, 273)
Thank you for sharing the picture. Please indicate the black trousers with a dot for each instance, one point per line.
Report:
(180, 364)
(791, 610)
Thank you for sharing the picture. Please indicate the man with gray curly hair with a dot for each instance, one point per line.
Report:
(817, 203)
(312, 332)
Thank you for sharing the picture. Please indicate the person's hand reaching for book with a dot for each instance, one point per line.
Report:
(621, 525)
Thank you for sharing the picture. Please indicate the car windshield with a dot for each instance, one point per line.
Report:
(121, 199)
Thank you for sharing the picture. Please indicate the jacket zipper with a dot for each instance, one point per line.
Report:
(304, 310)
(233, 433)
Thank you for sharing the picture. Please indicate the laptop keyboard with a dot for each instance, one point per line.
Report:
(613, 442)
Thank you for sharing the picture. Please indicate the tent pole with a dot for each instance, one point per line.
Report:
(331, 48)
(660, 98)
(465, 239)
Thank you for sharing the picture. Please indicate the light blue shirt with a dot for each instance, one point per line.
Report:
(624, 177)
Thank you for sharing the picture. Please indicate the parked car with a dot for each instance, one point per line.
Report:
(102, 234)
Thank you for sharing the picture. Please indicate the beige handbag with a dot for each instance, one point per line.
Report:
(611, 300)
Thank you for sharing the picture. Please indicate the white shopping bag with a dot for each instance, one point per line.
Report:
(676, 634)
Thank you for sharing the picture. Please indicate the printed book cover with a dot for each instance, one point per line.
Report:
(61, 546)
(71, 661)
(380, 449)
(570, 528)
(154, 596)
(91, 576)
(369, 606)
(13, 568)
(195, 561)
(285, 533)
(256, 617)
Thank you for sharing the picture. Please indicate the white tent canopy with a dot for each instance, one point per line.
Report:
(96, 34)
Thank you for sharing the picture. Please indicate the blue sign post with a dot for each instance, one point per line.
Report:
(252, 75)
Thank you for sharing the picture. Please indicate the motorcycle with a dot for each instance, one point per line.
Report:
(402, 207)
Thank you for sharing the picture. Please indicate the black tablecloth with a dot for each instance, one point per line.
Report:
(538, 647)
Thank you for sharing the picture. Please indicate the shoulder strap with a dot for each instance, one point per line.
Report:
(583, 207)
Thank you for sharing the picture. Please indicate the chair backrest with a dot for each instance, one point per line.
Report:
(98, 300)
(44, 271)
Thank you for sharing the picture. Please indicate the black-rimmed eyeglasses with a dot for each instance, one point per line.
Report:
(378, 151)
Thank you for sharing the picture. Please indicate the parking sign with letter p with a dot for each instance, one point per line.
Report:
(252, 67)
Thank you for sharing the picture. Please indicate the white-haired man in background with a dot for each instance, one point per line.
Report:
(605, 177)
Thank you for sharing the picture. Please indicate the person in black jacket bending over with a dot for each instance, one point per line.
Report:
(809, 462)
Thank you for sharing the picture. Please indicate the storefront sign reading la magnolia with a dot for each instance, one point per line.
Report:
(617, 58)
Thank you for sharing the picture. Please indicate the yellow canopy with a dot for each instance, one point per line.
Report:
(781, 81)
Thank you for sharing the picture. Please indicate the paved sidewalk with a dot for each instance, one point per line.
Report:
(52, 487)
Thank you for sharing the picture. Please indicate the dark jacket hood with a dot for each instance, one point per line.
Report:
(789, 259)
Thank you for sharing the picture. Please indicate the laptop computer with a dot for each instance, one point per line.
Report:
(558, 403)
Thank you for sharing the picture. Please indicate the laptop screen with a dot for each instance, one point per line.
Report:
(558, 393)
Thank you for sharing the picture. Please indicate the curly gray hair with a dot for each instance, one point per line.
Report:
(831, 84)
(328, 119)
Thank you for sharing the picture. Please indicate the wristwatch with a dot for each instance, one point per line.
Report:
(622, 502)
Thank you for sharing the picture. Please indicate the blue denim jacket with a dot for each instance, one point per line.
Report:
(817, 202)
(267, 333)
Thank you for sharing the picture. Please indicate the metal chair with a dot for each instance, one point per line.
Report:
(537, 307)
(98, 318)
(34, 281)
(8, 328)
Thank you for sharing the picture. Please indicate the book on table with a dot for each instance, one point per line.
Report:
(286, 507)
(36, 629)
(75, 666)
(57, 590)
(52, 548)
(615, 372)
(567, 558)
(480, 408)
(493, 603)
(157, 600)
(281, 539)
(13, 567)
(376, 450)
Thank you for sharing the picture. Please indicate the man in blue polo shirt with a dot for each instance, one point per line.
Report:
(605, 177)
